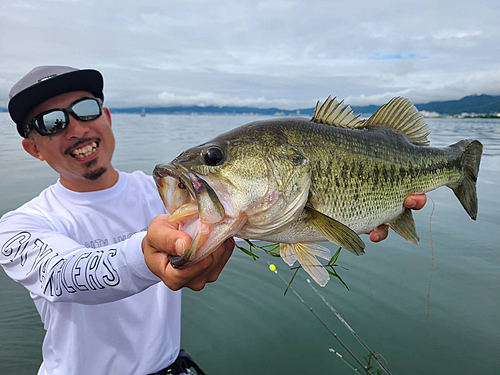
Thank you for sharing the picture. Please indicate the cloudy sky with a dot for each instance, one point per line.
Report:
(275, 53)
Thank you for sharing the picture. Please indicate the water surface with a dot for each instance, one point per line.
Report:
(244, 325)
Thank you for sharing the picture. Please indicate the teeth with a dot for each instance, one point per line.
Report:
(84, 151)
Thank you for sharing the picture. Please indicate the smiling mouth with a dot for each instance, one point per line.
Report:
(85, 151)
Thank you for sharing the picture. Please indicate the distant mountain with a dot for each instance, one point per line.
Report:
(484, 104)
(479, 104)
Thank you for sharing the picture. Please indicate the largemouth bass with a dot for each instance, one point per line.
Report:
(295, 181)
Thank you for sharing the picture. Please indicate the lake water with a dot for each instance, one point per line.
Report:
(243, 324)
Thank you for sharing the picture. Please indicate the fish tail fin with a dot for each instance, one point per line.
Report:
(306, 254)
(466, 191)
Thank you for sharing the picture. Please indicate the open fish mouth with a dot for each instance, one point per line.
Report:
(174, 186)
(194, 205)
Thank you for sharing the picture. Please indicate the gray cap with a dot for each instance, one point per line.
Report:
(45, 82)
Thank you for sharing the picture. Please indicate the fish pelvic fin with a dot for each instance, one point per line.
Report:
(399, 114)
(466, 191)
(306, 253)
(404, 225)
(334, 231)
(288, 253)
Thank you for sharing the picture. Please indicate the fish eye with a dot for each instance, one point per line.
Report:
(213, 156)
(181, 185)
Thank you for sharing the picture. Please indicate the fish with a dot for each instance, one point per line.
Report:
(296, 182)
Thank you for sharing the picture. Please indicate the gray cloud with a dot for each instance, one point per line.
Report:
(264, 53)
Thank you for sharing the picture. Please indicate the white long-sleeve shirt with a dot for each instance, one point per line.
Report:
(80, 257)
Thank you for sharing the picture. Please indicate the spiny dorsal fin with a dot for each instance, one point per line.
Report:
(331, 112)
(400, 115)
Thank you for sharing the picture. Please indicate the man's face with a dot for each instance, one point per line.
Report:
(82, 152)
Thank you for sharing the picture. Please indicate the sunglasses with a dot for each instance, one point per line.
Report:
(56, 120)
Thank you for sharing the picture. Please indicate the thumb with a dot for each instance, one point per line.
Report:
(182, 243)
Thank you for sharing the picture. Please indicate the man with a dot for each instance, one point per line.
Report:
(99, 296)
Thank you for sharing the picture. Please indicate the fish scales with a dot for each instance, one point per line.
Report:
(361, 178)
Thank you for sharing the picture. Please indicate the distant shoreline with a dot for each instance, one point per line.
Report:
(473, 106)
(362, 115)
(480, 106)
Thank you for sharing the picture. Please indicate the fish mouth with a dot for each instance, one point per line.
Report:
(167, 176)
(194, 205)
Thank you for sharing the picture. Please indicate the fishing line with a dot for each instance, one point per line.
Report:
(344, 322)
(331, 350)
(273, 269)
(432, 259)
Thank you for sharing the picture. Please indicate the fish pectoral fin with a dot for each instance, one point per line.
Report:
(404, 225)
(334, 231)
(306, 254)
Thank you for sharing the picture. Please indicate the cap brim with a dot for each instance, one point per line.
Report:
(80, 80)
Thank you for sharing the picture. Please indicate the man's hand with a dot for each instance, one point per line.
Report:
(415, 202)
(164, 238)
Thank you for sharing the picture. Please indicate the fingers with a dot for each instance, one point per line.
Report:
(163, 239)
(380, 233)
(190, 277)
(164, 235)
(415, 202)
(221, 256)
(218, 260)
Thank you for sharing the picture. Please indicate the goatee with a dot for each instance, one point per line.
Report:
(95, 174)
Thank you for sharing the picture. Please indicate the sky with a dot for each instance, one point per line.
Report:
(275, 53)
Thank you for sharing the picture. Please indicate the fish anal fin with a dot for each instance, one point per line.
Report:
(404, 225)
(306, 254)
(334, 231)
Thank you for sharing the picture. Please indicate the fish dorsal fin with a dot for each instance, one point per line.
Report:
(331, 112)
(400, 115)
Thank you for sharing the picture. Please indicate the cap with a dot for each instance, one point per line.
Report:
(45, 82)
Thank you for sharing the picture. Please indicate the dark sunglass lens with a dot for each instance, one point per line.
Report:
(51, 122)
(87, 110)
